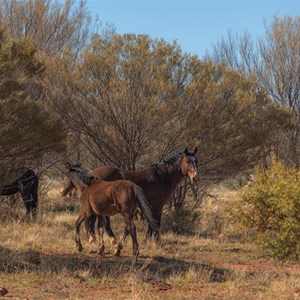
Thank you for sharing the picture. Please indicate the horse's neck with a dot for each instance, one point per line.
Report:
(167, 175)
(80, 186)
(138, 177)
(173, 177)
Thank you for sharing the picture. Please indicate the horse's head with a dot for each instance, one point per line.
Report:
(76, 176)
(189, 165)
(66, 186)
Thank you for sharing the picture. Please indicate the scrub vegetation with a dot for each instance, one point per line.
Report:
(74, 89)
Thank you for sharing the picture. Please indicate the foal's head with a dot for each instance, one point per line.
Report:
(189, 165)
(75, 176)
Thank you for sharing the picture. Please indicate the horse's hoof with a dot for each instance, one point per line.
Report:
(101, 251)
(113, 241)
(80, 248)
(92, 239)
(117, 253)
(135, 255)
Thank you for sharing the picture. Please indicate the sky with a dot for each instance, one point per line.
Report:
(196, 25)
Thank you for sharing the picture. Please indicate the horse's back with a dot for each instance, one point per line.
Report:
(22, 176)
(109, 187)
(107, 198)
(8, 190)
(146, 179)
(108, 173)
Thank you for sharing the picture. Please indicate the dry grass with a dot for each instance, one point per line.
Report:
(39, 260)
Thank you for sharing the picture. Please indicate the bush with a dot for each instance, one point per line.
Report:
(182, 221)
(272, 206)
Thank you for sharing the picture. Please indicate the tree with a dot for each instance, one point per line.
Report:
(27, 131)
(280, 52)
(239, 51)
(132, 99)
(233, 120)
(51, 25)
(275, 61)
(121, 99)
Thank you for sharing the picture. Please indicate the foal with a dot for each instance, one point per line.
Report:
(105, 198)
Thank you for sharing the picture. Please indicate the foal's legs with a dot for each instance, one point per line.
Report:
(109, 231)
(122, 241)
(90, 228)
(82, 217)
(129, 229)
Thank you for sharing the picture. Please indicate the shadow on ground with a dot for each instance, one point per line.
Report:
(73, 263)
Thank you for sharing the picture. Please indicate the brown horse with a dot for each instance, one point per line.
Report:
(103, 198)
(158, 182)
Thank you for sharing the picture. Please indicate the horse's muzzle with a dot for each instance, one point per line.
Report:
(196, 178)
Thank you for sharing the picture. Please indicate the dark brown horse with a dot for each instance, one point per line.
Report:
(26, 183)
(158, 182)
(108, 198)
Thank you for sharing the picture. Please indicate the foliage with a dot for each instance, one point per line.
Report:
(182, 221)
(27, 130)
(51, 25)
(275, 61)
(272, 206)
(132, 100)
(231, 118)
(122, 98)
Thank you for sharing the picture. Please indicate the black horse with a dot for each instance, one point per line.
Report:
(26, 183)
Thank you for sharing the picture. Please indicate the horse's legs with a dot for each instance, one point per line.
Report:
(33, 206)
(82, 217)
(25, 193)
(33, 210)
(122, 241)
(34, 195)
(157, 233)
(135, 246)
(129, 229)
(27, 202)
(90, 228)
(100, 234)
(109, 231)
(150, 231)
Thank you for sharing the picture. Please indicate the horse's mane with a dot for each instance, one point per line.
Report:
(84, 175)
(167, 166)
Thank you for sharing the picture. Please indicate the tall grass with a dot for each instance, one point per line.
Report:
(39, 260)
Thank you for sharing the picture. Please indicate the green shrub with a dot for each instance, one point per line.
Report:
(272, 206)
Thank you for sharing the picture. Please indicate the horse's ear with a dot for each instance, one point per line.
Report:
(195, 151)
(67, 166)
(186, 151)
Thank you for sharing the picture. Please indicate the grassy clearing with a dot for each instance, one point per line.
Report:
(40, 261)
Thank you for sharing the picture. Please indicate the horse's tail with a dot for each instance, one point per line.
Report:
(145, 207)
(35, 191)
